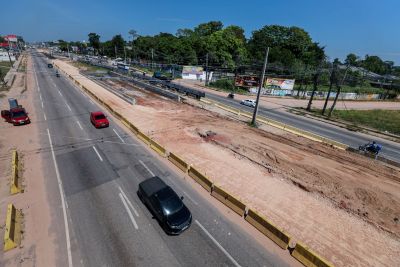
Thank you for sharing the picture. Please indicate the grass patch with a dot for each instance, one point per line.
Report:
(227, 85)
(366, 89)
(88, 67)
(382, 120)
(4, 68)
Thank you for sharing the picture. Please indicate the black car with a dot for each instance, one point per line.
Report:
(49, 65)
(166, 206)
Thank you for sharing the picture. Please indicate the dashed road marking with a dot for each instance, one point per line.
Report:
(79, 124)
(122, 140)
(97, 152)
(129, 212)
(147, 168)
(129, 202)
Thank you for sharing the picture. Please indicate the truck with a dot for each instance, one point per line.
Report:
(16, 114)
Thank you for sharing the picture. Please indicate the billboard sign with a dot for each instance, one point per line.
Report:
(247, 81)
(11, 38)
(192, 70)
(278, 83)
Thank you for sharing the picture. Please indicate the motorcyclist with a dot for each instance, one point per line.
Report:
(374, 147)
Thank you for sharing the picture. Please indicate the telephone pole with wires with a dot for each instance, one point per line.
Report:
(260, 86)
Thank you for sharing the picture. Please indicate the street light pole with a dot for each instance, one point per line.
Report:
(253, 121)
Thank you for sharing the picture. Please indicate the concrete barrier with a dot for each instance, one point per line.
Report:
(12, 233)
(14, 183)
(158, 148)
(309, 258)
(200, 178)
(267, 228)
(143, 137)
(230, 201)
(178, 162)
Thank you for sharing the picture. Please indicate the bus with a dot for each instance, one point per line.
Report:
(122, 66)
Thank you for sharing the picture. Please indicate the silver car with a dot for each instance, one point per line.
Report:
(248, 102)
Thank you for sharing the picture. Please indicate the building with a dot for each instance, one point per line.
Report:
(4, 56)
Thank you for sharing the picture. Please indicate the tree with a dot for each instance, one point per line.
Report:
(352, 60)
(118, 44)
(317, 54)
(374, 64)
(94, 40)
(206, 29)
(286, 43)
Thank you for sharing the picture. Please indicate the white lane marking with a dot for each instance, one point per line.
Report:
(95, 150)
(68, 106)
(42, 104)
(147, 168)
(40, 96)
(122, 140)
(44, 115)
(79, 124)
(63, 202)
(218, 244)
(91, 101)
(129, 212)
(127, 200)
(59, 92)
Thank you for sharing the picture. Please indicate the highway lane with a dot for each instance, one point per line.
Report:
(390, 149)
(100, 171)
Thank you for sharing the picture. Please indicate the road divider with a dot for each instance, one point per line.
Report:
(158, 148)
(15, 186)
(309, 258)
(200, 178)
(268, 229)
(178, 162)
(12, 233)
(230, 201)
(143, 137)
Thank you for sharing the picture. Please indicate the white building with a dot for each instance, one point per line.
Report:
(195, 73)
(4, 56)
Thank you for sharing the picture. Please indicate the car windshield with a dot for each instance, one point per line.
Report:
(18, 114)
(100, 117)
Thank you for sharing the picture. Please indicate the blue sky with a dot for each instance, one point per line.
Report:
(359, 26)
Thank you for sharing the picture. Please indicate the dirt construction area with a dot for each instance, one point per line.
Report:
(344, 206)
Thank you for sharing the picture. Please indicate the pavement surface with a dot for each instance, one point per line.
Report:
(391, 150)
(98, 172)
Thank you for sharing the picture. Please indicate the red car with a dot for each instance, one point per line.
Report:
(16, 116)
(98, 119)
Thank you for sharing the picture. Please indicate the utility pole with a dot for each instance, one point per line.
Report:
(125, 54)
(68, 51)
(206, 81)
(8, 52)
(115, 50)
(332, 79)
(152, 58)
(339, 87)
(253, 121)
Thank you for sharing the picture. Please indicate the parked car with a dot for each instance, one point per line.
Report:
(165, 205)
(98, 119)
(16, 116)
(248, 102)
(49, 65)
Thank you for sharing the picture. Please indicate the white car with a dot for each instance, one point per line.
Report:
(249, 103)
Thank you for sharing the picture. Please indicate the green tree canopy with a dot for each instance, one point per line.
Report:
(94, 40)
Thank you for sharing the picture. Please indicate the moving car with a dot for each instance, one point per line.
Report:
(165, 205)
(16, 116)
(248, 102)
(49, 65)
(98, 119)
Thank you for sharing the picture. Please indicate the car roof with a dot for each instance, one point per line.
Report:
(95, 113)
(152, 185)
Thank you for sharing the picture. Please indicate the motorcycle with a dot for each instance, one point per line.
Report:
(372, 148)
(231, 95)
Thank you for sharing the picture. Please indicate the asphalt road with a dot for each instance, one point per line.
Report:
(99, 171)
(391, 150)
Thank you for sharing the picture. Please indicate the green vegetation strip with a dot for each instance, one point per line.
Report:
(382, 120)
